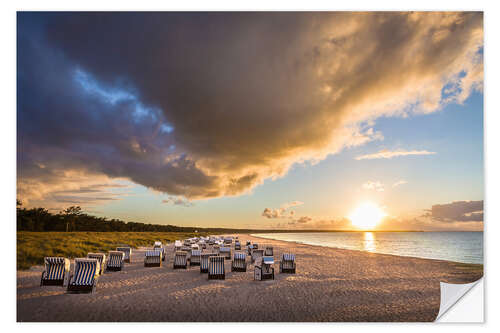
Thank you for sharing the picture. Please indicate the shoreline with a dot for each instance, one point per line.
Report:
(363, 251)
(331, 285)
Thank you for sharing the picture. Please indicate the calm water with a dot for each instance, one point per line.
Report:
(464, 247)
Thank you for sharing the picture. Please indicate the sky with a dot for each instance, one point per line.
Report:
(253, 120)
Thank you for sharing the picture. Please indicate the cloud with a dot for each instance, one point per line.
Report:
(178, 201)
(399, 183)
(281, 212)
(370, 185)
(390, 154)
(457, 211)
(204, 105)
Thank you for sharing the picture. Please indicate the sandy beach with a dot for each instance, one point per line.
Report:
(330, 285)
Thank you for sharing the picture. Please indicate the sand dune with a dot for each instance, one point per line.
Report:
(330, 285)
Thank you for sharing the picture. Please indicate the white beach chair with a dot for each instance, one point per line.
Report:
(268, 251)
(216, 268)
(225, 252)
(256, 253)
(180, 259)
(56, 271)
(128, 252)
(153, 258)
(115, 261)
(287, 263)
(239, 263)
(158, 246)
(85, 276)
(263, 268)
(101, 257)
(195, 258)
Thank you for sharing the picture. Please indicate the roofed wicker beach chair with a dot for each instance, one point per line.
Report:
(255, 246)
(153, 258)
(195, 258)
(216, 268)
(263, 268)
(128, 252)
(257, 254)
(177, 245)
(287, 263)
(225, 252)
(237, 246)
(158, 246)
(216, 248)
(239, 263)
(85, 277)
(115, 261)
(204, 261)
(268, 252)
(180, 259)
(101, 257)
(56, 271)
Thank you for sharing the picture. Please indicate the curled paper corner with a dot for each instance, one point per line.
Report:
(452, 294)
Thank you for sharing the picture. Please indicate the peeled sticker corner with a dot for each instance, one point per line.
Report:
(453, 300)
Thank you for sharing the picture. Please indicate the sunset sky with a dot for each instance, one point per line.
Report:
(253, 120)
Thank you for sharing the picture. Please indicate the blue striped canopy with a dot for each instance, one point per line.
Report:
(55, 267)
(86, 271)
(115, 258)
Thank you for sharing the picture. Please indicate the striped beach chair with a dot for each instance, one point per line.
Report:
(180, 259)
(115, 261)
(56, 271)
(263, 268)
(225, 252)
(101, 257)
(153, 258)
(257, 254)
(287, 263)
(204, 261)
(195, 258)
(216, 268)
(128, 252)
(239, 263)
(85, 277)
(268, 251)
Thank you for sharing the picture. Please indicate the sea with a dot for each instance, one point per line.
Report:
(465, 247)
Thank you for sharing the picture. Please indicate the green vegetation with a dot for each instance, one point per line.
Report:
(32, 247)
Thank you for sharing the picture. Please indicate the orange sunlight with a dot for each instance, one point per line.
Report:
(367, 216)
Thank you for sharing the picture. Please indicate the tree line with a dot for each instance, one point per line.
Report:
(74, 219)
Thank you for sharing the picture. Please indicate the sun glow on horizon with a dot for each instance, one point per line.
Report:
(367, 216)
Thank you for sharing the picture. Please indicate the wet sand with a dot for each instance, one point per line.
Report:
(330, 285)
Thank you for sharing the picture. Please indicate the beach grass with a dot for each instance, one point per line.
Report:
(32, 247)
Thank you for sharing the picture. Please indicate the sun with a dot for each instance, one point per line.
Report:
(367, 216)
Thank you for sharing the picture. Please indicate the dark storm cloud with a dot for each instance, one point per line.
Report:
(458, 211)
(203, 105)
